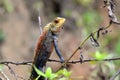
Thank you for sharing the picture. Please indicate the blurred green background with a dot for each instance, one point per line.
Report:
(19, 31)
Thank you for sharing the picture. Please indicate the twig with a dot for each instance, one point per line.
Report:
(86, 60)
(12, 71)
(40, 25)
(58, 61)
(50, 60)
(6, 63)
(113, 78)
(21, 77)
(4, 75)
(16, 63)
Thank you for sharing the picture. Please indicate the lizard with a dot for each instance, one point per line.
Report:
(47, 41)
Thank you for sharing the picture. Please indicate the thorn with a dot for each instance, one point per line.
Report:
(81, 58)
(39, 21)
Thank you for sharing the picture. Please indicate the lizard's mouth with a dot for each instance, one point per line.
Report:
(61, 28)
(57, 29)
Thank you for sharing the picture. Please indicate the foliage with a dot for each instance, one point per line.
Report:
(2, 36)
(100, 56)
(37, 5)
(117, 52)
(117, 47)
(60, 75)
(99, 72)
(1, 67)
(90, 20)
(85, 2)
(7, 5)
(102, 68)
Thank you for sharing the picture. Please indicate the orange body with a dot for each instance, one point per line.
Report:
(40, 45)
(43, 48)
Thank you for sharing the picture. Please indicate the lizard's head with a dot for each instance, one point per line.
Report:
(56, 25)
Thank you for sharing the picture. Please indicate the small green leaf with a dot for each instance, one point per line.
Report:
(40, 73)
(53, 76)
(60, 72)
(99, 55)
(48, 72)
(66, 73)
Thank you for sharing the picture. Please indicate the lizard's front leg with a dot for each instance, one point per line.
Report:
(57, 49)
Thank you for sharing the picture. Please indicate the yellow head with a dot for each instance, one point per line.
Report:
(55, 25)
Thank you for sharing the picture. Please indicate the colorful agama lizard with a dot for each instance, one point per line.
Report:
(46, 42)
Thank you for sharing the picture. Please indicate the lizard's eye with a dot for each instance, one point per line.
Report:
(56, 21)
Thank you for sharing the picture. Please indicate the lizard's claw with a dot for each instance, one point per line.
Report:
(62, 60)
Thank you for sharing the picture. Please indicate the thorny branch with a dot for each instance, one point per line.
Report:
(86, 60)
(16, 63)
(58, 61)
(110, 5)
(4, 75)
(12, 71)
(6, 63)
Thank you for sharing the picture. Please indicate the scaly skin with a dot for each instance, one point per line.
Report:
(46, 42)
